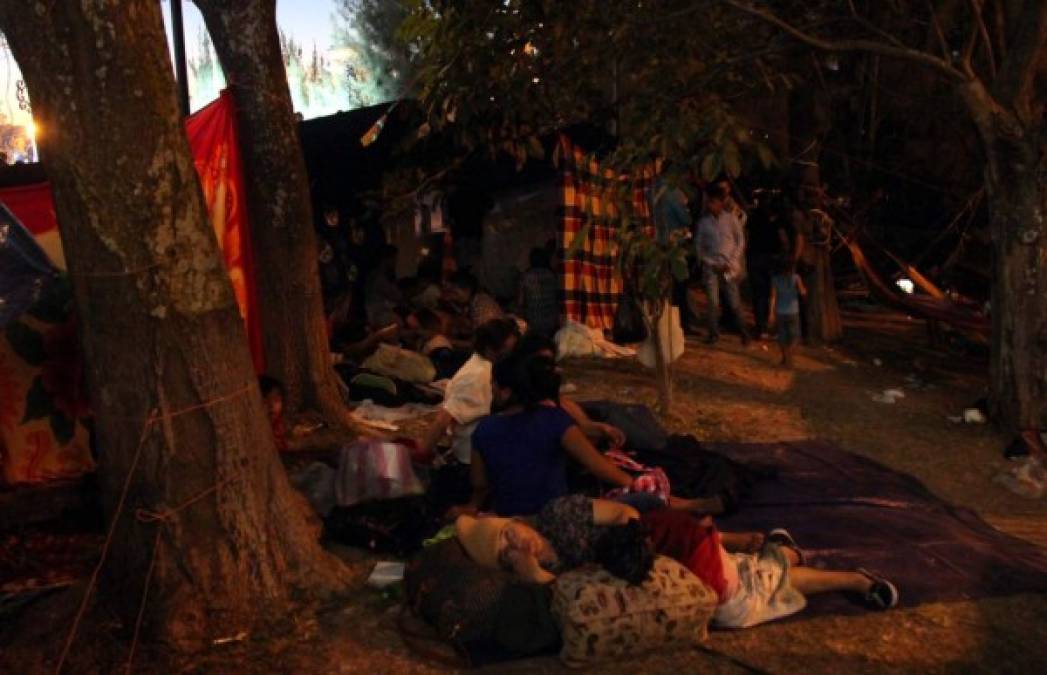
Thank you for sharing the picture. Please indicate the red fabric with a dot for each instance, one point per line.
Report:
(682, 537)
(213, 141)
(32, 205)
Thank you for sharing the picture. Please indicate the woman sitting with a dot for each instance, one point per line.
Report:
(519, 457)
(751, 588)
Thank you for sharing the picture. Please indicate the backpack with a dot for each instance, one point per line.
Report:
(485, 615)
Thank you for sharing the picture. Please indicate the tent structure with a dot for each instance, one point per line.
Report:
(43, 404)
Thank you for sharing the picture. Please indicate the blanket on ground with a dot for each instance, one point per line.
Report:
(848, 511)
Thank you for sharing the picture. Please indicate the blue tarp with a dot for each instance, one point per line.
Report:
(25, 270)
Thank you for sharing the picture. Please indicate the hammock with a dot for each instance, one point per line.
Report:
(935, 306)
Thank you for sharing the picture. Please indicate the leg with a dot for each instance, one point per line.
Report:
(811, 581)
(742, 542)
(734, 301)
(711, 283)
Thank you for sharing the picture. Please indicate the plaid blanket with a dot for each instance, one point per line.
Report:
(591, 283)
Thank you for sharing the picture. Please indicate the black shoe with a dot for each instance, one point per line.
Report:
(746, 339)
(712, 338)
(882, 595)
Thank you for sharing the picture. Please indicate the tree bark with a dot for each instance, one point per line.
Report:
(161, 331)
(1016, 182)
(245, 37)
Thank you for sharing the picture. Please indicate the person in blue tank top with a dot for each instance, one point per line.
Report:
(786, 290)
(520, 456)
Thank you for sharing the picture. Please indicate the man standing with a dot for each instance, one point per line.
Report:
(721, 250)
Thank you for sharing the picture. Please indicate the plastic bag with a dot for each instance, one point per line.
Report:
(629, 326)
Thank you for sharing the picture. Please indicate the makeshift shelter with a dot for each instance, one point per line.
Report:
(42, 398)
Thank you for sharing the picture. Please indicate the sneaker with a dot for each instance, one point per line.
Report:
(882, 595)
(712, 338)
(781, 537)
(746, 339)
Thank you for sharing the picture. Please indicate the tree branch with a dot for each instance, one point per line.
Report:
(977, 9)
(1028, 44)
(871, 46)
(938, 31)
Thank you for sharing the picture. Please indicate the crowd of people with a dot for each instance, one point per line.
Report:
(515, 440)
(776, 246)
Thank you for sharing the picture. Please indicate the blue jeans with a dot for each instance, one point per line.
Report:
(713, 280)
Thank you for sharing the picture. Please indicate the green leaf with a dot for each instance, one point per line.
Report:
(27, 343)
(711, 166)
(766, 155)
(62, 427)
(534, 146)
(679, 268)
(732, 161)
(38, 403)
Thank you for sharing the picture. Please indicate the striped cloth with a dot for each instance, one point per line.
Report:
(591, 284)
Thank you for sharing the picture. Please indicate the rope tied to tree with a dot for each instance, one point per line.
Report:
(164, 516)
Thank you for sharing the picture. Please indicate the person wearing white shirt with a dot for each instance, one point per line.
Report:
(721, 250)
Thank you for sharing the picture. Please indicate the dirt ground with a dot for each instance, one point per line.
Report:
(727, 392)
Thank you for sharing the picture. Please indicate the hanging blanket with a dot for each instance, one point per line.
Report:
(591, 284)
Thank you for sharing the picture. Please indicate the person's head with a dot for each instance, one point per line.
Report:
(537, 381)
(462, 286)
(533, 343)
(714, 200)
(272, 395)
(784, 265)
(540, 259)
(429, 322)
(496, 339)
(331, 216)
(626, 552)
(505, 377)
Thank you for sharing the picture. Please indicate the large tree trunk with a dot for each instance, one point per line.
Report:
(1016, 179)
(296, 348)
(161, 331)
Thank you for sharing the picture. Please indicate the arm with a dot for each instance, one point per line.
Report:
(801, 289)
(435, 431)
(526, 566)
(579, 447)
(606, 512)
(481, 488)
(589, 427)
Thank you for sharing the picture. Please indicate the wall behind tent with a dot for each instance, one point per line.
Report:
(522, 219)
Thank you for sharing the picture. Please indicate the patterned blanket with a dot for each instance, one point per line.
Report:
(591, 282)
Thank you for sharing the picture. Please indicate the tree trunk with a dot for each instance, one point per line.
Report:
(662, 364)
(1016, 181)
(294, 333)
(161, 331)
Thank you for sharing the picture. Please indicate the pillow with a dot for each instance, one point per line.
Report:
(602, 617)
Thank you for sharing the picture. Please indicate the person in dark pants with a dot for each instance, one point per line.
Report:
(721, 250)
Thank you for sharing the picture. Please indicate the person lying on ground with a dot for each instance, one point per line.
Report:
(752, 588)
(519, 456)
(468, 397)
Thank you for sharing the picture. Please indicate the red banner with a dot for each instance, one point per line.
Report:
(213, 142)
